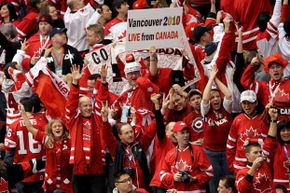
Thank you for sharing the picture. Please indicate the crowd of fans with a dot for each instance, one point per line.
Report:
(219, 124)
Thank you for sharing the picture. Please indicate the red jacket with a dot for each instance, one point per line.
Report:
(262, 180)
(265, 90)
(28, 24)
(243, 127)
(58, 171)
(74, 121)
(281, 166)
(199, 167)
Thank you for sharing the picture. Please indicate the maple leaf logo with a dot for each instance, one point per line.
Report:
(249, 133)
(261, 183)
(122, 35)
(182, 166)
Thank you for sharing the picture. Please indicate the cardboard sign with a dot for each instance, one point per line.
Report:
(154, 27)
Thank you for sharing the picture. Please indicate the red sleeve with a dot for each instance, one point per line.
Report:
(109, 139)
(205, 167)
(40, 136)
(269, 146)
(232, 145)
(166, 177)
(145, 84)
(71, 105)
(248, 77)
(284, 13)
(84, 79)
(147, 135)
(224, 53)
(27, 25)
(242, 184)
(26, 64)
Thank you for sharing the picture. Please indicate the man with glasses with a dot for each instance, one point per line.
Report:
(123, 184)
(277, 86)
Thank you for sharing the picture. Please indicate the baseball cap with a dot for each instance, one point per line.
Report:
(210, 48)
(57, 31)
(275, 58)
(199, 31)
(194, 92)
(179, 126)
(248, 95)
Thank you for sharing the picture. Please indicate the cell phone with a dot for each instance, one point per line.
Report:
(125, 114)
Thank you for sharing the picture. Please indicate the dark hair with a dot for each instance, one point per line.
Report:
(229, 182)
(262, 20)
(94, 77)
(250, 145)
(117, 4)
(282, 125)
(119, 174)
(286, 26)
(120, 126)
(280, 186)
(11, 8)
(10, 64)
(36, 102)
(27, 104)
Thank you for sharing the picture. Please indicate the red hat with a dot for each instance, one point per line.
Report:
(140, 4)
(189, 29)
(129, 58)
(179, 126)
(46, 18)
(277, 58)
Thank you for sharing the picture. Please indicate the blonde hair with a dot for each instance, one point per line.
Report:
(50, 136)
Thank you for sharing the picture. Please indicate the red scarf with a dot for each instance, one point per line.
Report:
(87, 137)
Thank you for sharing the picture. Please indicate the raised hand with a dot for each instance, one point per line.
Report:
(105, 111)
(273, 113)
(104, 72)
(24, 45)
(76, 75)
(213, 72)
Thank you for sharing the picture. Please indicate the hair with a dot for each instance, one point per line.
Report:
(229, 182)
(34, 3)
(50, 136)
(119, 128)
(11, 8)
(280, 186)
(286, 26)
(118, 175)
(9, 30)
(71, 3)
(36, 103)
(97, 29)
(262, 20)
(117, 4)
(101, 7)
(249, 147)
(94, 77)
(27, 104)
(282, 125)
(6, 67)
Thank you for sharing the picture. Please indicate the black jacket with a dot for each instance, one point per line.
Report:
(71, 56)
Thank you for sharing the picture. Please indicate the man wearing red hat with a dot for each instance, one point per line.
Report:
(274, 90)
(38, 42)
(186, 167)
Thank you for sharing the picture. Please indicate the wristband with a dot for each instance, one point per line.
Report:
(273, 121)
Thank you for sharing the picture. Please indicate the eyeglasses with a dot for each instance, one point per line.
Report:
(125, 180)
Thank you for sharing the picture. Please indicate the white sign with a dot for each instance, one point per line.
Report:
(161, 28)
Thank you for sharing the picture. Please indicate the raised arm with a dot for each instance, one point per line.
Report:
(27, 123)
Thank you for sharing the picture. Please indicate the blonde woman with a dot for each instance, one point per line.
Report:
(58, 171)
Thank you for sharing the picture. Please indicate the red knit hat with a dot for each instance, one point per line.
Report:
(140, 4)
(277, 58)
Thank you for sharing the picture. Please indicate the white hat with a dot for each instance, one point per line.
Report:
(248, 95)
(131, 67)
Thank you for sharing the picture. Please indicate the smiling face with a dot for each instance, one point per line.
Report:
(285, 134)
(86, 106)
(126, 134)
(57, 129)
(4, 11)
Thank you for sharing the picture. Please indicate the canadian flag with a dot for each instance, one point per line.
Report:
(50, 88)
